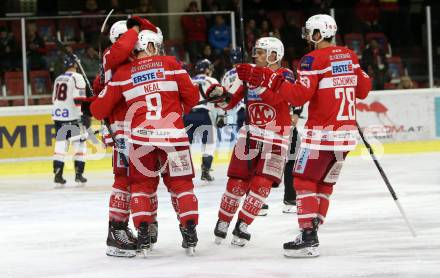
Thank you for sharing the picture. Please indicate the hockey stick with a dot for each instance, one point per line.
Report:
(246, 114)
(100, 38)
(385, 179)
(63, 49)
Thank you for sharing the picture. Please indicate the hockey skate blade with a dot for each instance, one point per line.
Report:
(116, 252)
(190, 251)
(241, 242)
(59, 186)
(263, 212)
(309, 252)
(80, 184)
(289, 209)
(218, 240)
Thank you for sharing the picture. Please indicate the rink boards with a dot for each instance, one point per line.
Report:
(401, 121)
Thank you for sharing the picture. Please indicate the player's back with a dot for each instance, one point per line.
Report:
(68, 88)
(333, 104)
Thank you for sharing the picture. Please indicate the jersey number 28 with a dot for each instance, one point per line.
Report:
(348, 99)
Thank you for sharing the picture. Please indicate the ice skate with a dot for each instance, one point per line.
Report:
(241, 235)
(206, 176)
(263, 211)
(119, 243)
(189, 235)
(59, 181)
(144, 238)
(305, 245)
(153, 234)
(80, 180)
(289, 206)
(220, 231)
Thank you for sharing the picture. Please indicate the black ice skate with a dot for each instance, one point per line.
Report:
(241, 235)
(144, 238)
(206, 176)
(80, 180)
(305, 245)
(220, 231)
(153, 234)
(189, 235)
(119, 243)
(263, 211)
(289, 206)
(59, 181)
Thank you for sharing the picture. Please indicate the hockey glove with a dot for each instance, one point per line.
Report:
(244, 71)
(265, 77)
(142, 23)
(218, 95)
(220, 121)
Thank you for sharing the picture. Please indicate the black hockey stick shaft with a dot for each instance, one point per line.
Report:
(386, 180)
(246, 108)
(100, 38)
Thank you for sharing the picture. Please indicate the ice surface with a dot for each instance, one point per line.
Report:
(61, 233)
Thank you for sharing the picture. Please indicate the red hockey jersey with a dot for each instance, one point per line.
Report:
(269, 120)
(115, 56)
(157, 91)
(331, 79)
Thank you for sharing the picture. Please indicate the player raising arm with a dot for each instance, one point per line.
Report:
(330, 78)
(157, 91)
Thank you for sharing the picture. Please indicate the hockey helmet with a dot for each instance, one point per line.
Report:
(269, 44)
(118, 28)
(145, 37)
(325, 24)
(202, 66)
(70, 60)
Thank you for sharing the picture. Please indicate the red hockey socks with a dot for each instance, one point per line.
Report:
(307, 202)
(119, 205)
(259, 190)
(235, 189)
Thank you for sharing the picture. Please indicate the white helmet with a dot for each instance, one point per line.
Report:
(147, 36)
(118, 28)
(270, 44)
(325, 24)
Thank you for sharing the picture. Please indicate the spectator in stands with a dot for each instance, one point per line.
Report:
(36, 48)
(406, 83)
(375, 64)
(194, 29)
(90, 62)
(144, 7)
(367, 11)
(251, 34)
(9, 56)
(114, 4)
(91, 25)
(210, 6)
(265, 29)
(219, 35)
(291, 38)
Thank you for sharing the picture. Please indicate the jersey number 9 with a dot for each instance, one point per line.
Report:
(154, 106)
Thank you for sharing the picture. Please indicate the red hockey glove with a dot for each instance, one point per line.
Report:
(144, 24)
(218, 95)
(244, 71)
(265, 77)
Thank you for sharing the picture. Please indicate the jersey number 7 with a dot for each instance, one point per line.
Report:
(348, 99)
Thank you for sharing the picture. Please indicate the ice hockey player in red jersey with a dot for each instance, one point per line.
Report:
(269, 140)
(157, 91)
(330, 78)
(123, 36)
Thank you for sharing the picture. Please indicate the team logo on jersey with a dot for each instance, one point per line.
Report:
(342, 67)
(148, 75)
(306, 63)
(261, 114)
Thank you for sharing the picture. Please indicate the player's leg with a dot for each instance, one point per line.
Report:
(209, 141)
(311, 169)
(61, 146)
(289, 199)
(79, 159)
(144, 179)
(236, 187)
(177, 176)
(269, 170)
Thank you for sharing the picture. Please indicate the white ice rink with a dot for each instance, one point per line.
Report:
(61, 233)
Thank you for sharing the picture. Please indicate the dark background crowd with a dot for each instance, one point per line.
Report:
(388, 35)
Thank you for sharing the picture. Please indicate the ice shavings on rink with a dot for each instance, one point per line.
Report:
(61, 233)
